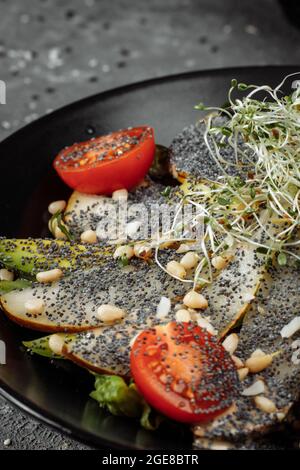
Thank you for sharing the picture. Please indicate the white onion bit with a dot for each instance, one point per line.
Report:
(256, 388)
(56, 343)
(163, 308)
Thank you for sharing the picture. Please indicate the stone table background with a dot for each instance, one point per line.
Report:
(54, 52)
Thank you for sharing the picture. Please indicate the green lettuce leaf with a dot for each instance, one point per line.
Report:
(113, 393)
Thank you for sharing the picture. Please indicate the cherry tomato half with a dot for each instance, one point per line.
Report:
(104, 164)
(183, 372)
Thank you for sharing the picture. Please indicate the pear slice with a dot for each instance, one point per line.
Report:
(71, 303)
(230, 295)
(87, 211)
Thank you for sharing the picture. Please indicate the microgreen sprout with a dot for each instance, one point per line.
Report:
(262, 206)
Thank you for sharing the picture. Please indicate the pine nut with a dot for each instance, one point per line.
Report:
(124, 250)
(143, 184)
(258, 363)
(189, 260)
(117, 241)
(176, 269)
(133, 339)
(220, 445)
(49, 276)
(280, 416)
(89, 236)
(219, 262)
(265, 404)
(56, 206)
(6, 275)
(238, 362)
(195, 300)
(56, 344)
(34, 306)
(166, 244)
(120, 195)
(231, 343)
(183, 315)
(109, 313)
(178, 307)
(183, 248)
(242, 373)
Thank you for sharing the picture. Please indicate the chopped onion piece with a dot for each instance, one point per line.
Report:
(256, 388)
(291, 328)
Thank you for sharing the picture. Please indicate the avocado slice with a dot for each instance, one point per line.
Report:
(29, 256)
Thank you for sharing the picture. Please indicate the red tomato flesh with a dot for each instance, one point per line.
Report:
(183, 372)
(104, 164)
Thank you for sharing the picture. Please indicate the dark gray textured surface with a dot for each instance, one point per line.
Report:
(55, 52)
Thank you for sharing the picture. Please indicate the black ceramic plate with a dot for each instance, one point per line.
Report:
(58, 393)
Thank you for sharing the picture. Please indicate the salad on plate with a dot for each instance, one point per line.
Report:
(172, 274)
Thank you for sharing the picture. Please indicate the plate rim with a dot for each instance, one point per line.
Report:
(140, 84)
(13, 397)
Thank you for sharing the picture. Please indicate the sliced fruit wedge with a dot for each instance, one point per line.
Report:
(71, 303)
(87, 211)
